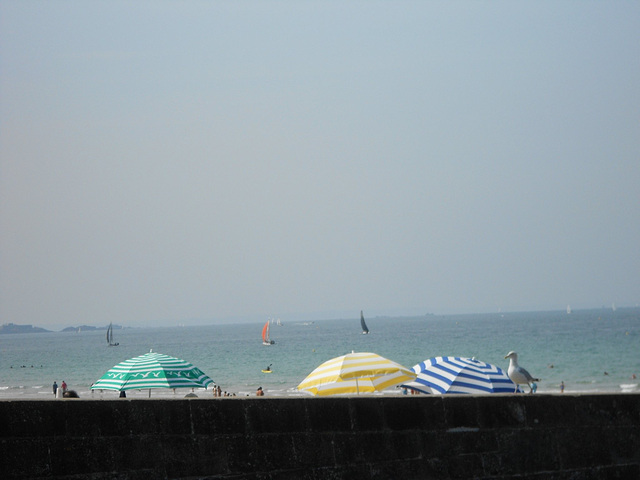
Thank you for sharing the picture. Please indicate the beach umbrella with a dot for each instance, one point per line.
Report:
(357, 373)
(152, 370)
(439, 375)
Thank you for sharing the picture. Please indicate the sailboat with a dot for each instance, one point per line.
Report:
(569, 309)
(110, 336)
(266, 340)
(365, 329)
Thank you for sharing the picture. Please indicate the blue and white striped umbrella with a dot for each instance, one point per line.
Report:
(439, 375)
(152, 370)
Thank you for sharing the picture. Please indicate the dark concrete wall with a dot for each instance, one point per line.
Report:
(412, 437)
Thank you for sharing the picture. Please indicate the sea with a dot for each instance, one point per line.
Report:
(590, 351)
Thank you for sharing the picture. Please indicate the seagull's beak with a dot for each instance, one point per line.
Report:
(506, 356)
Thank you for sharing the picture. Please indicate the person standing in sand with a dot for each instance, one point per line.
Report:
(64, 386)
(55, 388)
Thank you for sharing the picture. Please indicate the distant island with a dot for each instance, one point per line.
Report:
(82, 328)
(9, 328)
(13, 328)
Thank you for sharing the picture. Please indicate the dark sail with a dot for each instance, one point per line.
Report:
(110, 341)
(365, 329)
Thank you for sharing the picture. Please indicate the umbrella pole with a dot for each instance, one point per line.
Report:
(149, 393)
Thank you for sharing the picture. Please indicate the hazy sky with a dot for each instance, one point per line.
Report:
(192, 162)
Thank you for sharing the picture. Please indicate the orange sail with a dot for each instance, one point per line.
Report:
(266, 340)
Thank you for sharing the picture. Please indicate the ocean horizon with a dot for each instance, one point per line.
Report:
(591, 351)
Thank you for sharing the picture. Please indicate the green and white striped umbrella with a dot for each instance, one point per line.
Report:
(152, 370)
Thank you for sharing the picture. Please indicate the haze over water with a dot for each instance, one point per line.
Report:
(198, 162)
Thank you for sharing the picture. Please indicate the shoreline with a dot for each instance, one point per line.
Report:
(242, 392)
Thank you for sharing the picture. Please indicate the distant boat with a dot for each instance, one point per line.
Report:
(266, 340)
(568, 309)
(365, 329)
(279, 323)
(110, 341)
(613, 307)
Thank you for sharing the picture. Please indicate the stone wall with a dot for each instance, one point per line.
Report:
(379, 437)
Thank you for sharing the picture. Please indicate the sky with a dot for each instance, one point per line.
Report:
(196, 162)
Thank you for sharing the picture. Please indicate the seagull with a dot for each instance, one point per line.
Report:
(518, 374)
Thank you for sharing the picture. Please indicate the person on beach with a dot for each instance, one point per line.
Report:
(562, 387)
(259, 392)
(64, 386)
(122, 394)
(55, 388)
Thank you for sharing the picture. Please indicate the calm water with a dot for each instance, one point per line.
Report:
(580, 347)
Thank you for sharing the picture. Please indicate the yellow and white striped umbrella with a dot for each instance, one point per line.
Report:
(355, 373)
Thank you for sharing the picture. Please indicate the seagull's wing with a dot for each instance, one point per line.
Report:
(527, 375)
